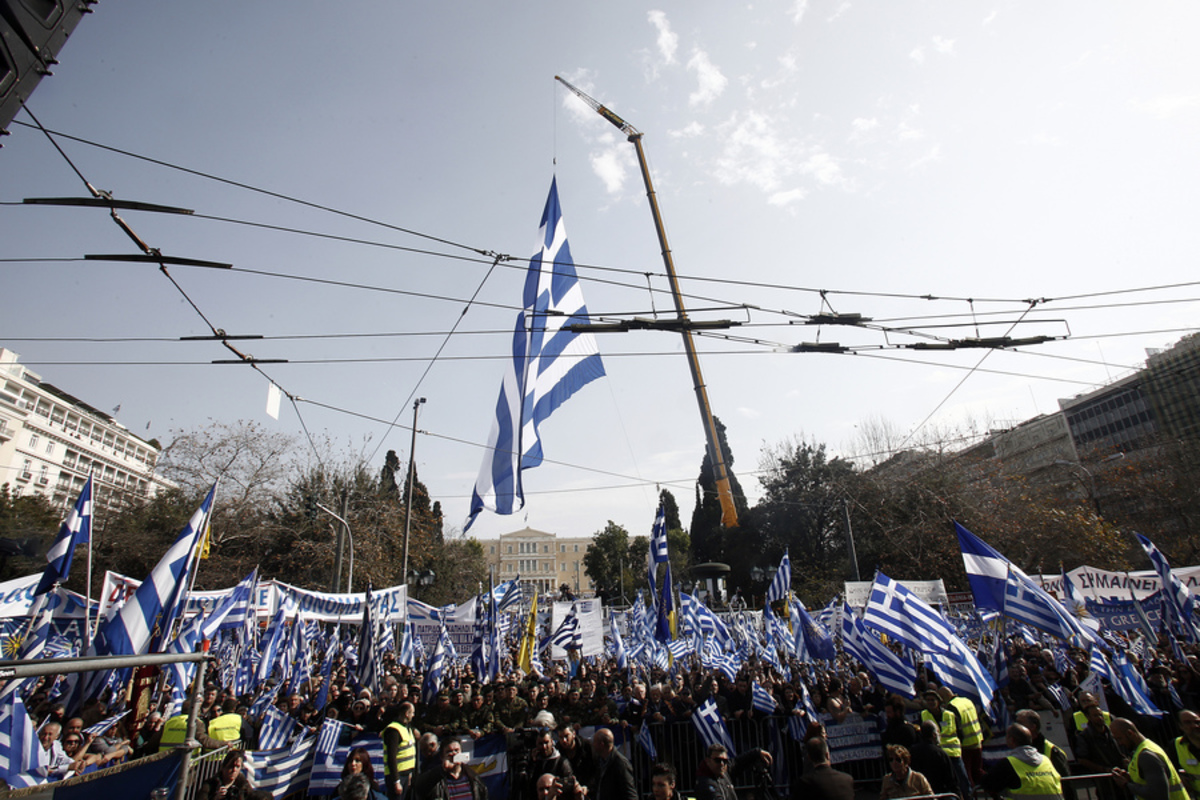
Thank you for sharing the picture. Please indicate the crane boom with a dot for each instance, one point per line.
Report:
(729, 517)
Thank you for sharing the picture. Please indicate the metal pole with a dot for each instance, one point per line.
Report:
(57, 666)
(412, 469)
(190, 742)
(720, 475)
(350, 536)
(850, 540)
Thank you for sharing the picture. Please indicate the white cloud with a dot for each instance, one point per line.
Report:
(754, 152)
(613, 163)
(934, 154)
(668, 40)
(990, 17)
(1167, 106)
(787, 198)
(837, 12)
(712, 82)
(907, 133)
(917, 55)
(797, 10)
(750, 413)
(862, 126)
(943, 46)
(690, 131)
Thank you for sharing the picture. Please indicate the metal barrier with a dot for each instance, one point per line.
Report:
(203, 767)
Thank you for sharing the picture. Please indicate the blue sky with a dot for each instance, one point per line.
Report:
(990, 152)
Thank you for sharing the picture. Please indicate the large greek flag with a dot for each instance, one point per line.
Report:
(156, 602)
(781, 584)
(549, 365)
(1179, 603)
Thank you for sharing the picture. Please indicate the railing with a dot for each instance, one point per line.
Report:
(202, 768)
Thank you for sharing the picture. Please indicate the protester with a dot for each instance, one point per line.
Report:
(451, 779)
(612, 775)
(230, 782)
(903, 780)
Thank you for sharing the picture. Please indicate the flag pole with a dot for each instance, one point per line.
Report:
(87, 592)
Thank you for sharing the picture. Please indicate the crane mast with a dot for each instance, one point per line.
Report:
(720, 472)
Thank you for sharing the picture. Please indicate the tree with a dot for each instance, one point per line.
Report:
(800, 512)
(387, 476)
(709, 538)
(613, 561)
(28, 525)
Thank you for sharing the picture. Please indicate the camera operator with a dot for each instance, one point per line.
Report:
(544, 759)
(552, 788)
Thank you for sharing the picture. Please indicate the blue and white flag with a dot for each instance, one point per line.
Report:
(509, 594)
(893, 672)
(549, 364)
(762, 700)
(20, 752)
(277, 729)
(567, 635)
(327, 768)
(817, 640)
(282, 772)
(647, 742)
(1132, 687)
(893, 609)
(435, 668)
(1179, 601)
(103, 725)
(618, 650)
(368, 655)
(999, 584)
(156, 602)
(781, 584)
(408, 650)
(711, 726)
(665, 606)
(658, 537)
(75, 530)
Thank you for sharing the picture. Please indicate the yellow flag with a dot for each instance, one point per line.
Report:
(207, 538)
(528, 641)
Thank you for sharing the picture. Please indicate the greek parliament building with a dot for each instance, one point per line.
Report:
(543, 560)
(50, 442)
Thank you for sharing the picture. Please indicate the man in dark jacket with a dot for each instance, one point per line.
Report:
(712, 776)
(612, 776)
(451, 778)
(929, 759)
(823, 782)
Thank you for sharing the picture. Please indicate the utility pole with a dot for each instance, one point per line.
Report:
(720, 474)
(850, 540)
(412, 470)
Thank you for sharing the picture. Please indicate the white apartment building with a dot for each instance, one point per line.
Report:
(544, 560)
(50, 442)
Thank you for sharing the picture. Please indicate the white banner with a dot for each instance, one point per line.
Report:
(459, 621)
(1100, 584)
(932, 592)
(16, 596)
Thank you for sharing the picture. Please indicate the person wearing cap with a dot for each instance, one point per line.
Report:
(510, 710)
(399, 751)
(950, 736)
(1151, 775)
(1025, 774)
(478, 717)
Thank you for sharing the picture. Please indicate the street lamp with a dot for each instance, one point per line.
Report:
(412, 455)
(422, 578)
(1091, 480)
(346, 525)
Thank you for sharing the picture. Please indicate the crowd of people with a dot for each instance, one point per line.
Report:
(931, 743)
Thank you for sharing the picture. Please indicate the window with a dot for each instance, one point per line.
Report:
(576, 548)
(492, 549)
(545, 548)
(49, 448)
(510, 549)
(564, 548)
(33, 440)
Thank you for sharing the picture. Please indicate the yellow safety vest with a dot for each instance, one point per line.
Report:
(1189, 764)
(1042, 782)
(174, 732)
(949, 736)
(406, 752)
(972, 731)
(226, 728)
(1175, 790)
(1081, 719)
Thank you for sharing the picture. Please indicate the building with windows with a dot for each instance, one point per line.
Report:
(544, 560)
(50, 442)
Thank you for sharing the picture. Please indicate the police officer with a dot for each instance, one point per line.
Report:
(1151, 774)
(399, 751)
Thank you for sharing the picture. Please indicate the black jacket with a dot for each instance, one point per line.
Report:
(612, 780)
(431, 785)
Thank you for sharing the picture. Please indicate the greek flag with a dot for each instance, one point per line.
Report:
(408, 650)
(763, 700)
(273, 643)
(568, 635)
(618, 645)
(781, 584)
(817, 640)
(1132, 687)
(550, 363)
(893, 672)
(75, 530)
(437, 665)
(999, 584)
(1076, 604)
(20, 752)
(894, 610)
(1179, 601)
(104, 724)
(368, 657)
(280, 773)
(658, 537)
(508, 594)
(711, 727)
(157, 600)
(647, 743)
(327, 768)
(277, 728)
(665, 606)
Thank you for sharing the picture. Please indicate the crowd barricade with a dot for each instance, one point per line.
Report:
(201, 768)
(855, 748)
